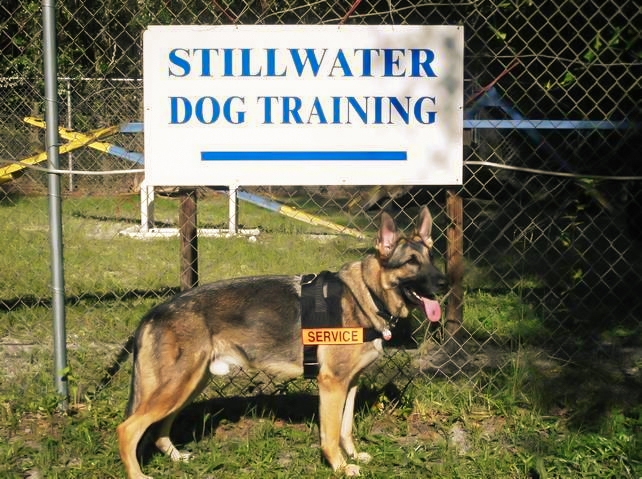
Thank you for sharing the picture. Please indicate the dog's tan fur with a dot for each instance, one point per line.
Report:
(210, 329)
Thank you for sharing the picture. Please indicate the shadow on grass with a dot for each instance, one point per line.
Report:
(201, 419)
(157, 223)
(583, 391)
(12, 304)
(587, 391)
(578, 267)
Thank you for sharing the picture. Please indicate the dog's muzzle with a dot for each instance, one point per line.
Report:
(430, 307)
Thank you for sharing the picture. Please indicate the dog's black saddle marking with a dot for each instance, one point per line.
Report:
(321, 308)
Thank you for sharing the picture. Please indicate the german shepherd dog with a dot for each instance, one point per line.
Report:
(257, 323)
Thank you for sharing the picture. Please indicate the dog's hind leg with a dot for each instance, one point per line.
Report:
(163, 442)
(159, 398)
(129, 434)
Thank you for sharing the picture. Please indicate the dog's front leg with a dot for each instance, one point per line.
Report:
(347, 422)
(332, 400)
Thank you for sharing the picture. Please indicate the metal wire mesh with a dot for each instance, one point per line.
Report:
(552, 260)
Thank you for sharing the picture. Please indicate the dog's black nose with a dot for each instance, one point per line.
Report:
(442, 283)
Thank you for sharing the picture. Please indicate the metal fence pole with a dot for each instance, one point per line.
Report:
(70, 155)
(55, 203)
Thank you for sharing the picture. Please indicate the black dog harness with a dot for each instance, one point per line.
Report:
(321, 319)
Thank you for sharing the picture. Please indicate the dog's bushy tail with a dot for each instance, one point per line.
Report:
(129, 409)
(113, 369)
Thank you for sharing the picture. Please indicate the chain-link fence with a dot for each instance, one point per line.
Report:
(552, 193)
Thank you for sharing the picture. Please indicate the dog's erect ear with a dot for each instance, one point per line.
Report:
(424, 227)
(387, 237)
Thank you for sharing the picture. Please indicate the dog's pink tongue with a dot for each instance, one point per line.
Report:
(432, 309)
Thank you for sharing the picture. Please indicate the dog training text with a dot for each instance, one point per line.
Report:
(270, 63)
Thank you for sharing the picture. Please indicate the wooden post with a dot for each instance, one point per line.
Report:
(189, 239)
(455, 265)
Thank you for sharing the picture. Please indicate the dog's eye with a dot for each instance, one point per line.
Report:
(413, 260)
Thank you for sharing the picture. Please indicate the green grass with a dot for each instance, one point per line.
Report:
(498, 436)
(503, 316)
(530, 416)
(99, 260)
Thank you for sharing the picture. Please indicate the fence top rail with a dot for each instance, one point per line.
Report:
(138, 127)
(550, 124)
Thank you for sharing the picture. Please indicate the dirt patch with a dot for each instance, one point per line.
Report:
(425, 429)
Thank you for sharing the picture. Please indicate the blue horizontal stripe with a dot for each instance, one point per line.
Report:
(304, 156)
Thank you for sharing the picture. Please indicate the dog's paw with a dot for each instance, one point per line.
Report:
(352, 470)
(178, 456)
(362, 457)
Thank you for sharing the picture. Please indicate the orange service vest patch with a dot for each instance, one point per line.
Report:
(317, 336)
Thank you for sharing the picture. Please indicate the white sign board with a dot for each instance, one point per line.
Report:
(303, 105)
